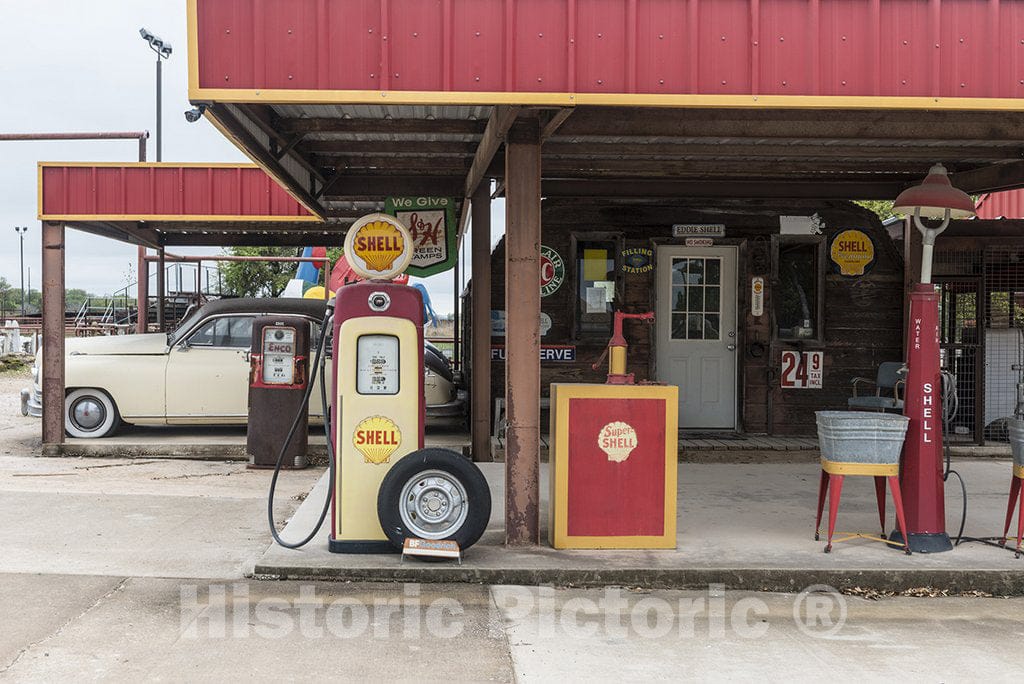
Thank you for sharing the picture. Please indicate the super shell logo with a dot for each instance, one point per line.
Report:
(377, 438)
(378, 244)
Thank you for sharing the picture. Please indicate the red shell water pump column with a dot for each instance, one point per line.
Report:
(921, 480)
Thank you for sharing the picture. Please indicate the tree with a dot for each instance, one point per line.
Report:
(883, 208)
(8, 296)
(264, 278)
(258, 278)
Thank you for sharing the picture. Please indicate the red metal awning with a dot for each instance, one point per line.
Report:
(143, 191)
(166, 204)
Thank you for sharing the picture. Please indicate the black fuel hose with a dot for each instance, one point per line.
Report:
(320, 364)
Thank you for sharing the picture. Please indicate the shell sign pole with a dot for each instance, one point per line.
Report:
(377, 412)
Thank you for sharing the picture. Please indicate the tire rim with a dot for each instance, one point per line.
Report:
(88, 414)
(433, 504)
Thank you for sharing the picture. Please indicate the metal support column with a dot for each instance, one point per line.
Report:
(161, 289)
(522, 341)
(53, 336)
(480, 345)
(142, 293)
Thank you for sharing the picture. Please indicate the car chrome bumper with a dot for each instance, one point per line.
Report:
(451, 412)
(31, 403)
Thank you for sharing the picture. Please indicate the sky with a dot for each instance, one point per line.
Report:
(74, 66)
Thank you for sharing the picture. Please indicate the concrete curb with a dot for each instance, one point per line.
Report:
(191, 452)
(996, 582)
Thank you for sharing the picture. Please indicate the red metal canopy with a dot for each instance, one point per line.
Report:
(143, 191)
(357, 100)
(635, 52)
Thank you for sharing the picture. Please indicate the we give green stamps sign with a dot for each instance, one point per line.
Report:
(432, 223)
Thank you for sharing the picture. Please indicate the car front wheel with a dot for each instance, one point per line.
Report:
(90, 413)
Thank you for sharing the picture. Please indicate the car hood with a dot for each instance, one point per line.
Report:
(151, 343)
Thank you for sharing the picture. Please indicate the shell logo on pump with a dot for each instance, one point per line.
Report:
(378, 247)
(618, 440)
(376, 438)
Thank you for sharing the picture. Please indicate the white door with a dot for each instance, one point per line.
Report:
(696, 333)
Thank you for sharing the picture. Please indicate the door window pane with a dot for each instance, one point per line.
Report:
(700, 299)
(796, 303)
(595, 286)
(226, 331)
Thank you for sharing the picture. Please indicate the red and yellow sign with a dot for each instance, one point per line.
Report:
(378, 246)
(853, 252)
(376, 438)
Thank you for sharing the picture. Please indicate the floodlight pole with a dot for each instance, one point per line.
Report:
(159, 108)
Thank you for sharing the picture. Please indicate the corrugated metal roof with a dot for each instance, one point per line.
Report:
(1007, 205)
(853, 48)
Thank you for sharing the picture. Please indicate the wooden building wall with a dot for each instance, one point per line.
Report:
(862, 315)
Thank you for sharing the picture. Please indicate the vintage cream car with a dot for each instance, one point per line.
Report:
(198, 374)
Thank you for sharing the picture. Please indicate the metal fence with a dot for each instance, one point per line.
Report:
(982, 337)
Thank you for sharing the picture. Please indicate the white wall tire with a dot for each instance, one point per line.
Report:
(90, 413)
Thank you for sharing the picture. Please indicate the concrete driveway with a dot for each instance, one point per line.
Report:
(118, 569)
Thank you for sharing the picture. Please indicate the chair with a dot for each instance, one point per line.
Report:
(889, 380)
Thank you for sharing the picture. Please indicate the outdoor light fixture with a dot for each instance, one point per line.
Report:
(195, 114)
(162, 49)
(934, 198)
(921, 478)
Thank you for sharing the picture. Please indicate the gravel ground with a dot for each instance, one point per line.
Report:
(19, 435)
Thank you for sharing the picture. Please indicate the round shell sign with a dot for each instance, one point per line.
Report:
(853, 252)
(378, 247)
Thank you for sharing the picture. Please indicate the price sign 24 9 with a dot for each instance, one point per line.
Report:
(802, 370)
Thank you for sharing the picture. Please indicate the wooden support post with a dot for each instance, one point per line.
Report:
(161, 289)
(142, 293)
(522, 341)
(480, 345)
(53, 336)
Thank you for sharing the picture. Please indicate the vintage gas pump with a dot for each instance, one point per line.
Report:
(278, 375)
(387, 488)
(613, 483)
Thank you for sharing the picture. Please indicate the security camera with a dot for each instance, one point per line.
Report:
(195, 114)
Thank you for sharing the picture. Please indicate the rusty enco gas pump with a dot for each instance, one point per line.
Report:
(385, 488)
(278, 374)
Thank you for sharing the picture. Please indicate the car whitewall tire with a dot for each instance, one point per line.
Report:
(90, 413)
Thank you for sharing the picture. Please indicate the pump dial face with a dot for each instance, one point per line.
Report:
(377, 364)
(278, 356)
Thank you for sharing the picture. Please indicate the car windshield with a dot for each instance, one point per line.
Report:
(190, 318)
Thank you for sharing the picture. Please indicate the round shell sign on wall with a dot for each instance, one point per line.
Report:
(378, 247)
(853, 252)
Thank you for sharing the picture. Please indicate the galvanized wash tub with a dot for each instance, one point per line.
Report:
(862, 436)
(1016, 430)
